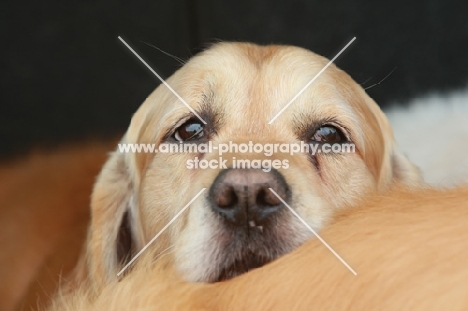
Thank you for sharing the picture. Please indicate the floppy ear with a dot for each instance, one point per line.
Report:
(388, 163)
(405, 171)
(397, 165)
(114, 230)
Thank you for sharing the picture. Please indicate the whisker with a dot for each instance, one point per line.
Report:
(367, 80)
(378, 83)
(178, 59)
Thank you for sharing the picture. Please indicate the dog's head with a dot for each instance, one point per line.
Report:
(238, 223)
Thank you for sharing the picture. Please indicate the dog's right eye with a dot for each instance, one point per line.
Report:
(190, 130)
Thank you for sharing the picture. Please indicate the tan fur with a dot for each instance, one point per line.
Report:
(44, 213)
(408, 247)
(245, 85)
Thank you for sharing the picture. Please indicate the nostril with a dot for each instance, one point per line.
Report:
(266, 198)
(261, 199)
(227, 197)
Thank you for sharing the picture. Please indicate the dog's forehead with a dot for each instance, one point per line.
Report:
(256, 82)
(269, 65)
(258, 56)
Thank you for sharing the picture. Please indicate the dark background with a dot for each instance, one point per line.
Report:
(66, 76)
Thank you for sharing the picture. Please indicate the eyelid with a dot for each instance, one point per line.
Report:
(181, 122)
(171, 130)
(343, 129)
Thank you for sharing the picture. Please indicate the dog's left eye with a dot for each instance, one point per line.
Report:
(190, 130)
(329, 134)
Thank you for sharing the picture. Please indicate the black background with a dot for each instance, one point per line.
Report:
(66, 76)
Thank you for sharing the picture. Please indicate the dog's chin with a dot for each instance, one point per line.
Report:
(245, 250)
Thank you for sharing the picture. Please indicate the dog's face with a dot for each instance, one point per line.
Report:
(238, 223)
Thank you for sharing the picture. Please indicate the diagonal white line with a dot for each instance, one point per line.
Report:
(311, 81)
(160, 232)
(313, 231)
(162, 80)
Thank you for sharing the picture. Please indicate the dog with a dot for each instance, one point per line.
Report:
(238, 223)
(408, 247)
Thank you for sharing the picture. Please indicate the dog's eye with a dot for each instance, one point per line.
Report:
(190, 130)
(328, 134)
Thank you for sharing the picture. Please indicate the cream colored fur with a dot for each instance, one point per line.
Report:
(242, 86)
(409, 248)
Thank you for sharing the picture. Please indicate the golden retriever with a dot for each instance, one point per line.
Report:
(237, 224)
(409, 248)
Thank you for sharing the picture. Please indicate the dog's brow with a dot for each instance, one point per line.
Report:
(210, 112)
(207, 110)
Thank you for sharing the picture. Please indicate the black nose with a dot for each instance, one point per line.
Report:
(242, 196)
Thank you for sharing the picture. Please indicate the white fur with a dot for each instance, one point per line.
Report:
(433, 132)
